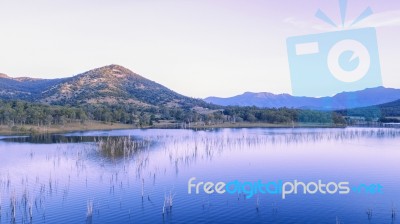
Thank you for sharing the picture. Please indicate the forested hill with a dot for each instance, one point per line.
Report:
(382, 111)
(20, 113)
(116, 94)
(25, 88)
(111, 84)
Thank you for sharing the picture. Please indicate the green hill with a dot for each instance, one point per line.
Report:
(114, 94)
(111, 84)
(382, 111)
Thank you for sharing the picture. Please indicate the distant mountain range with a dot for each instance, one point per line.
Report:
(363, 98)
(111, 84)
(115, 84)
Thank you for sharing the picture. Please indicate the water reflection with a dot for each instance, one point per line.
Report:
(119, 147)
(141, 176)
(52, 139)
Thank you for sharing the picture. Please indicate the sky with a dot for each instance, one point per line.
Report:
(198, 48)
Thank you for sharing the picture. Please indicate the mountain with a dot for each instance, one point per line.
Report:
(391, 109)
(116, 94)
(24, 88)
(3, 75)
(266, 100)
(116, 85)
(111, 84)
(362, 98)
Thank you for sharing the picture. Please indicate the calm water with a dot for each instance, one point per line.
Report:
(80, 178)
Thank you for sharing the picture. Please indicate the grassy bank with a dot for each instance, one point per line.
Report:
(96, 125)
(75, 126)
(265, 125)
(201, 125)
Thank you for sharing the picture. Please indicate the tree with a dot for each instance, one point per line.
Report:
(49, 119)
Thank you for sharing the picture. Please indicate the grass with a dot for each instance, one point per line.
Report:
(394, 117)
(261, 125)
(200, 125)
(75, 126)
(119, 147)
(97, 125)
(89, 212)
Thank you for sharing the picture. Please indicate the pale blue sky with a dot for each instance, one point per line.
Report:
(197, 48)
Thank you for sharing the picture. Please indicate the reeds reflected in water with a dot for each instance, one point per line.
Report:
(125, 165)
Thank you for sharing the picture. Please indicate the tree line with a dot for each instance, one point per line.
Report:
(18, 112)
(282, 115)
(384, 113)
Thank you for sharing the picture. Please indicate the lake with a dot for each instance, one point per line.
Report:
(142, 176)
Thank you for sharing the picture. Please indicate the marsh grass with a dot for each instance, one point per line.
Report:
(119, 147)
(168, 202)
(89, 209)
(131, 157)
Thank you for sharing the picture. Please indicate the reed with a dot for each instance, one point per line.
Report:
(274, 208)
(168, 202)
(119, 147)
(30, 210)
(13, 205)
(8, 180)
(257, 202)
(170, 199)
(89, 207)
(394, 212)
(142, 188)
(369, 213)
(163, 208)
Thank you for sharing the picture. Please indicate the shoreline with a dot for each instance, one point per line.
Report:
(55, 129)
(95, 125)
(101, 126)
(266, 125)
